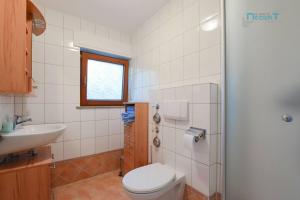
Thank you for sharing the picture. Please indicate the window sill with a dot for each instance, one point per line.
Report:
(93, 107)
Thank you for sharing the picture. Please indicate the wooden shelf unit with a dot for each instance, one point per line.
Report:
(136, 138)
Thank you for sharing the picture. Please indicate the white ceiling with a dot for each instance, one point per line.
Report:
(124, 15)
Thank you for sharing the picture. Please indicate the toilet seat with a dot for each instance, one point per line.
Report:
(149, 179)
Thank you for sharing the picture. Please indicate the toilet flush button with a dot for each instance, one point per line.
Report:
(287, 118)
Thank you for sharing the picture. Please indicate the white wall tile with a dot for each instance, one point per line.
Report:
(191, 41)
(36, 96)
(87, 114)
(169, 138)
(72, 131)
(175, 7)
(71, 149)
(71, 76)
(71, 94)
(68, 38)
(87, 147)
(191, 66)
(201, 116)
(202, 93)
(200, 177)
(165, 75)
(53, 54)
(191, 16)
(114, 142)
(102, 128)
(114, 126)
(169, 158)
(102, 113)
(36, 112)
(164, 53)
(18, 109)
(114, 113)
(71, 57)
(176, 48)
(210, 38)
(188, 3)
(38, 72)
(88, 129)
(53, 93)
(53, 74)
(54, 35)
(208, 8)
(71, 113)
(177, 70)
(210, 61)
(184, 165)
(53, 113)
(38, 52)
(102, 144)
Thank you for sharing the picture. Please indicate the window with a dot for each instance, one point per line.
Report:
(104, 80)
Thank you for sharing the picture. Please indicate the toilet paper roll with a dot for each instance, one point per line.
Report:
(188, 141)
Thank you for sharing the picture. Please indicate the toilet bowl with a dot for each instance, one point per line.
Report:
(154, 182)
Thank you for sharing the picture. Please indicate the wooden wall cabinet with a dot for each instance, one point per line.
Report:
(18, 20)
(27, 178)
(136, 138)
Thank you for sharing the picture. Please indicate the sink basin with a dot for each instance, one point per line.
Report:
(28, 137)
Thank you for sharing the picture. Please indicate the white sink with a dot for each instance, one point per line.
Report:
(28, 137)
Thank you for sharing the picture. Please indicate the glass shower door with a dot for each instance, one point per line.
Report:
(262, 100)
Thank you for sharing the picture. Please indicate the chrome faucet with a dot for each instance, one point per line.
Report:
(18, 119)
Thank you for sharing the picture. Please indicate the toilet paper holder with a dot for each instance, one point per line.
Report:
(198, 133)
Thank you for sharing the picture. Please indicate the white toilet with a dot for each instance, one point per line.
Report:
(154, 182)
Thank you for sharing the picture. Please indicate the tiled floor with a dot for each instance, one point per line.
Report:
(102, 187)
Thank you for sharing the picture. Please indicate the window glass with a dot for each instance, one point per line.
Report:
(104, 81)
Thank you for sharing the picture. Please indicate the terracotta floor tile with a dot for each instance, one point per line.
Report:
(102, 187)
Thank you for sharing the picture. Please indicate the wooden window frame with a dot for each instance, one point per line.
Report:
(83, 80)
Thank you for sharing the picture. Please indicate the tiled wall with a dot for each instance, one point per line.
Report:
(171, 50)
(56, 71)
(200, 163)
(6, 106)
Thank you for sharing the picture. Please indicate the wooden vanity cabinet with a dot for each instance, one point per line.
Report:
(27, 178)
(16, 28)
(136, 138)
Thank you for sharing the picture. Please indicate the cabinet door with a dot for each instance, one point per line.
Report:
(13, 46)
(29, 183)
(34, 183)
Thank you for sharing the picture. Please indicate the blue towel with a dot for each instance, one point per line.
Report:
(129, 115)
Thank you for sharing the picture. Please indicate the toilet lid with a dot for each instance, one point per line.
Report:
(150, 178)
